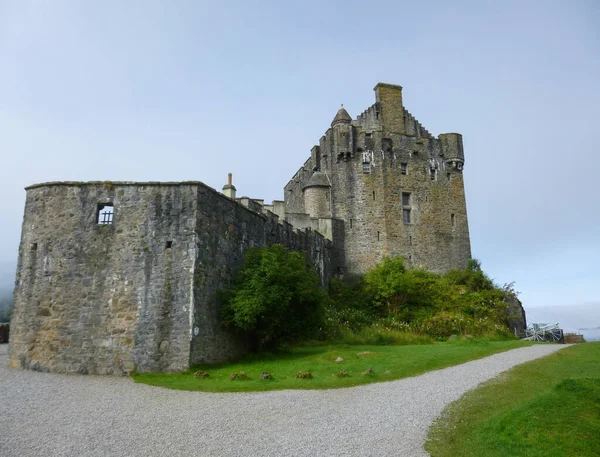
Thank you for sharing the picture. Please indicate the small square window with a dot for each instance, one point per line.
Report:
(104, 215)
(169, 245)
(405, 199)
(366, 167)
(34, 246)
(406, 216)
(368, 134)
(403, 168)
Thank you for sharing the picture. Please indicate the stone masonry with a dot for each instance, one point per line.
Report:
(382, 185)
(116, 276)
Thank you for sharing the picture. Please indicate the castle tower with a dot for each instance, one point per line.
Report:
(394, 189)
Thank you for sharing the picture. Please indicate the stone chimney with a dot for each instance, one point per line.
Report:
(229, 189)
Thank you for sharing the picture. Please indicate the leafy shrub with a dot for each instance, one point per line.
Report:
(411, 294)
(276, 297)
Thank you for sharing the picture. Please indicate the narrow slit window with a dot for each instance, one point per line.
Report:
(410, 240)
(453, 220)
(405, 199)
(105, 214)
(406, 216)
(448, 176)
(432, 174)
(350, 223)
(373, 195)
(378, 236)
(403, 168)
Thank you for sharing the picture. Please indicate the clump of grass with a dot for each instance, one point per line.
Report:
(304, 375)
(377, 335)
(239, 376)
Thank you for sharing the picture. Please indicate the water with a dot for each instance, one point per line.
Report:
(590, 335)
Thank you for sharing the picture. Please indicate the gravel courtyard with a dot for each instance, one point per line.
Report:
(63, 415)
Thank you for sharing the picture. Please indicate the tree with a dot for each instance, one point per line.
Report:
(276, 297)
(400, 291)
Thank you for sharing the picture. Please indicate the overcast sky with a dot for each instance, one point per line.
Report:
(191, 90)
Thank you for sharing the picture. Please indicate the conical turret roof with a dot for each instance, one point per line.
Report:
(318, 179)
(342, 117)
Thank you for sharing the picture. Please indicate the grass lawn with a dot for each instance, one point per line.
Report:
(548, 407)
(387, 363)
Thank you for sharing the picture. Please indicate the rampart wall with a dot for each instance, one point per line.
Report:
(140, 292)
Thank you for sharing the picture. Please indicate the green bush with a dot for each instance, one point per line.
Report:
(276, 298)
(410, 294)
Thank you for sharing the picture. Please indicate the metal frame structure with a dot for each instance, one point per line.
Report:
(544, 332)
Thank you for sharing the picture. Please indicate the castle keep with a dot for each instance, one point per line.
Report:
(114, 276)
(382, 185)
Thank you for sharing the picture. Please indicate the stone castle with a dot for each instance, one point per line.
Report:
(116, 276)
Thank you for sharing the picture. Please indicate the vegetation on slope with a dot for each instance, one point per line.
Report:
(546, 407)
(276, 299)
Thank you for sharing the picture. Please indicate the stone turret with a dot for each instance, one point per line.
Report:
(342, 117)
(342, 135)
(317, 196)
(452, 150)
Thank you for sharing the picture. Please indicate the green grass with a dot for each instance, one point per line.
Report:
(387, 363)
(548, 407)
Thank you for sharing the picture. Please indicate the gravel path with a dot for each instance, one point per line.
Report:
(61, 415)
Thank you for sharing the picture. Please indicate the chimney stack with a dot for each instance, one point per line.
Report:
(229, 189)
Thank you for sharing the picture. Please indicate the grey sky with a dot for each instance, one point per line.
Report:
(178, 90)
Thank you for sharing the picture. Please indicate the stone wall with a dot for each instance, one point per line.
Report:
(99, 299)
(140, 292)
(226, 229)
